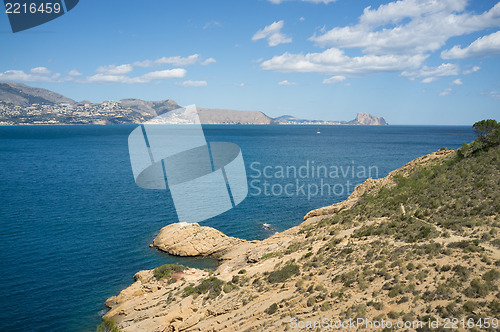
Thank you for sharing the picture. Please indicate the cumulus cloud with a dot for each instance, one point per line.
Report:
(115, 70)
(273, 34)
(35, 75)
(334, 62)
(445, 92)
(146, 78)
(472, 70)
(212, 24)
(208, 61)
(492, 94)
(40, 71)
(74, 72)
(334, 79)
(458, 81)
(482, 47)
(415, 26)
(190, 84)
(175, 61)
(286, 82)
(431, 74)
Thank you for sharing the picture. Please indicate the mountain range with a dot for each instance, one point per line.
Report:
(23, 104)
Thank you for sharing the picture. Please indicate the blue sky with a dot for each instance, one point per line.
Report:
(410, 61)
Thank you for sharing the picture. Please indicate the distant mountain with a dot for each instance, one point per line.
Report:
(22, 104)
(220, 116)
(20, 94)
(153, 108)
(368, 120)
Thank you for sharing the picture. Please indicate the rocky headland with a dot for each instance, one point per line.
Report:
(411, 246)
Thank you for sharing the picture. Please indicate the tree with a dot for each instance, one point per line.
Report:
(484, 127)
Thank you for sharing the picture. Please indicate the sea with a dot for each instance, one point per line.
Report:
(75, 228)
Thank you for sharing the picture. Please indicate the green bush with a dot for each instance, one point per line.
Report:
(212, 286)
(491, 275)
(107, 325)
(229, 287)
(272, 309)
(167, 270)
(284, 273)
(477, 289)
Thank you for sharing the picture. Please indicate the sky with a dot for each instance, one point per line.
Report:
(413, 62)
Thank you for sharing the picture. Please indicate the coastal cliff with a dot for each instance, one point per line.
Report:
(412, 246)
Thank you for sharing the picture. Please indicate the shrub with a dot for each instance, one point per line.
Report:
(284, 273)
(211, 285)
(470, 306)
(461, 272)
(272, 309)
(107, 325)
(491, 275)
(494, 307)
(311, 301)
(229, 287)
(326, 306)
(167, 270)
(477, 289)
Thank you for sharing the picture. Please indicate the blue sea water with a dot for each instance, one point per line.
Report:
(74, 227)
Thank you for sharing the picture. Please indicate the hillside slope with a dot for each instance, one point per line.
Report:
(419, 245)
(23, 95)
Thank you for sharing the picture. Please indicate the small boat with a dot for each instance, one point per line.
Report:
(318, 132)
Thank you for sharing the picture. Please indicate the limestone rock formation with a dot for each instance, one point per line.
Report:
(185, 239)
(368, 119)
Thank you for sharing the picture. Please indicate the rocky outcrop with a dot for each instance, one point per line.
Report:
(368, 120)
(185, 239)
(329, 283)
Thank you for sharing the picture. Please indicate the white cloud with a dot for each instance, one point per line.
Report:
(240, 85)
(472, 70)
(208, 61)
(115, 70)
(36, 75)
(74, 72)
(273, 34)
(40, 71)
(492, 94)
(458, 81)
(146, 78)
(482, 47)
(302, 19)
(164, 74)
(334, 62)
(431, 74)
(286, 82)
(212, 24)
(445, 92)
(429, 79)
(174, 61)
(189, 84)
(334, 79)
(420, 26)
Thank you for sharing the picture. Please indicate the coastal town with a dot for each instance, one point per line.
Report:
(108, 112)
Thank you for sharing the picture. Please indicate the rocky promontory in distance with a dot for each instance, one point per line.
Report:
(23, 104)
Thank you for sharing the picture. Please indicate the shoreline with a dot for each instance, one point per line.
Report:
(151, 303)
